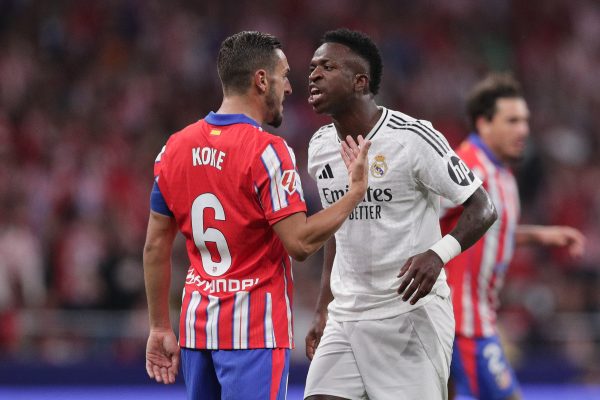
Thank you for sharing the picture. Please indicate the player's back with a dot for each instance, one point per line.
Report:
(224, 180)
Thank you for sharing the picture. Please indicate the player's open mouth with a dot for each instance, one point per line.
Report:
(315, 95)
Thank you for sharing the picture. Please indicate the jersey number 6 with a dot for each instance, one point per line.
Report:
(201, 235)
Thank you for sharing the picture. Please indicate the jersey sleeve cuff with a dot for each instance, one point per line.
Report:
(286, 212)
(466, 194)
(158, 203)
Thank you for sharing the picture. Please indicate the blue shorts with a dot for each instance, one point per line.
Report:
(235, 374)
(479, 369)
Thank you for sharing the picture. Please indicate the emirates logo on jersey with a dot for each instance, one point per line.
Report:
(288, 181)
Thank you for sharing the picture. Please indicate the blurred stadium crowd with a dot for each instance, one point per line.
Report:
(90, 90)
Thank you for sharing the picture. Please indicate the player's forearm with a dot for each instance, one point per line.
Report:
(157, 277)
(528, 234)
(302, 236)
(157, 267)
(478, 215)
(322, 225)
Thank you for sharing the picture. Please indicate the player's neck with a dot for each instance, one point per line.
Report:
(241, 105)
(356, 120)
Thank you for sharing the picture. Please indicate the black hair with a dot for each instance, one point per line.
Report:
(241, 55)
(482, 98)
(362, 45)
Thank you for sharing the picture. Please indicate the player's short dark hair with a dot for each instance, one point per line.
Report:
(482, 98)
(241, 55)
(362, 45)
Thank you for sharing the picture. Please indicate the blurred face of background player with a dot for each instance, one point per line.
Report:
(279, 87)
(507, 131)
(334, 82)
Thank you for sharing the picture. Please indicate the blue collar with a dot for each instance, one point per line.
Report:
(229, 119)
(476, 140)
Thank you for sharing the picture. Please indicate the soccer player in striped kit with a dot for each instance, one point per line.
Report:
(499, 116)
(234, 192)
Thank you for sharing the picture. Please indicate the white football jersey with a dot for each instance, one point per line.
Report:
(410, 166)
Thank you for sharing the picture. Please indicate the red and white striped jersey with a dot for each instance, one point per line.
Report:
(226, 182)
(476, 275)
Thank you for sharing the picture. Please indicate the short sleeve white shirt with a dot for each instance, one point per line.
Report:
(411, 166)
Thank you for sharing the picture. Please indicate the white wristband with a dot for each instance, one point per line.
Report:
(447, 248)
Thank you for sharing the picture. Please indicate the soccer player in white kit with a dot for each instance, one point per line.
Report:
(384, 326)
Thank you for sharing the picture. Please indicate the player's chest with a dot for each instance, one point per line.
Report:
(390, 175)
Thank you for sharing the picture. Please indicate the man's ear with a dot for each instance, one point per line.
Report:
(261, 81)
(482, 125)
(361, 83)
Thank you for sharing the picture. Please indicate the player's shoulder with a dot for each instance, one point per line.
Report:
(186, 133)
(415, 132)
(323, 140)
(466, 148)
(398, 121)
(262, 139)
(474, 157)
(177, 139)
(399, 117)
(322, 135)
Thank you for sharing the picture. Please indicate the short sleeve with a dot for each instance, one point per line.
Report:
(158, 203)
(277, 182)
(157, 161)
(160, 192)
(438, 168)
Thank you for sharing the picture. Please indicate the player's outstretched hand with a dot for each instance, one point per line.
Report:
(564, 236)
(313, 337)
(162, 356)
(355, 157)
(420, 273)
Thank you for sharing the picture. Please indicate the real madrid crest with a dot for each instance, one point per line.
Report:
(379, 166)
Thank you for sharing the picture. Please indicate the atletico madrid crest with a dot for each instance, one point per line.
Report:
(379, 166)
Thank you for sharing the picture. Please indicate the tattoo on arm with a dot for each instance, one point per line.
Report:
(478, 215)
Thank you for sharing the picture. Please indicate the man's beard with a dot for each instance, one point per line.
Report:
(271, 102)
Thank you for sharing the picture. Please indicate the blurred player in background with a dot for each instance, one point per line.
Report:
(234, 192)
(388, 330)
(499, 117)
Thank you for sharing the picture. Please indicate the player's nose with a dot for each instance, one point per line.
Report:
(314, 75)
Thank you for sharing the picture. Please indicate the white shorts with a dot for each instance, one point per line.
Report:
(403, 357)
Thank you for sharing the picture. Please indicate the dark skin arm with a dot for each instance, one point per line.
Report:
(421, 271)
(313, 337)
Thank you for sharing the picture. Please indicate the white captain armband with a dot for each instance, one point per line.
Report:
(447, 248)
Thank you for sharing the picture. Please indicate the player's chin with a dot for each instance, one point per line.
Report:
(276, 121)
(517, 154)
(318, 106)
(518, 148)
